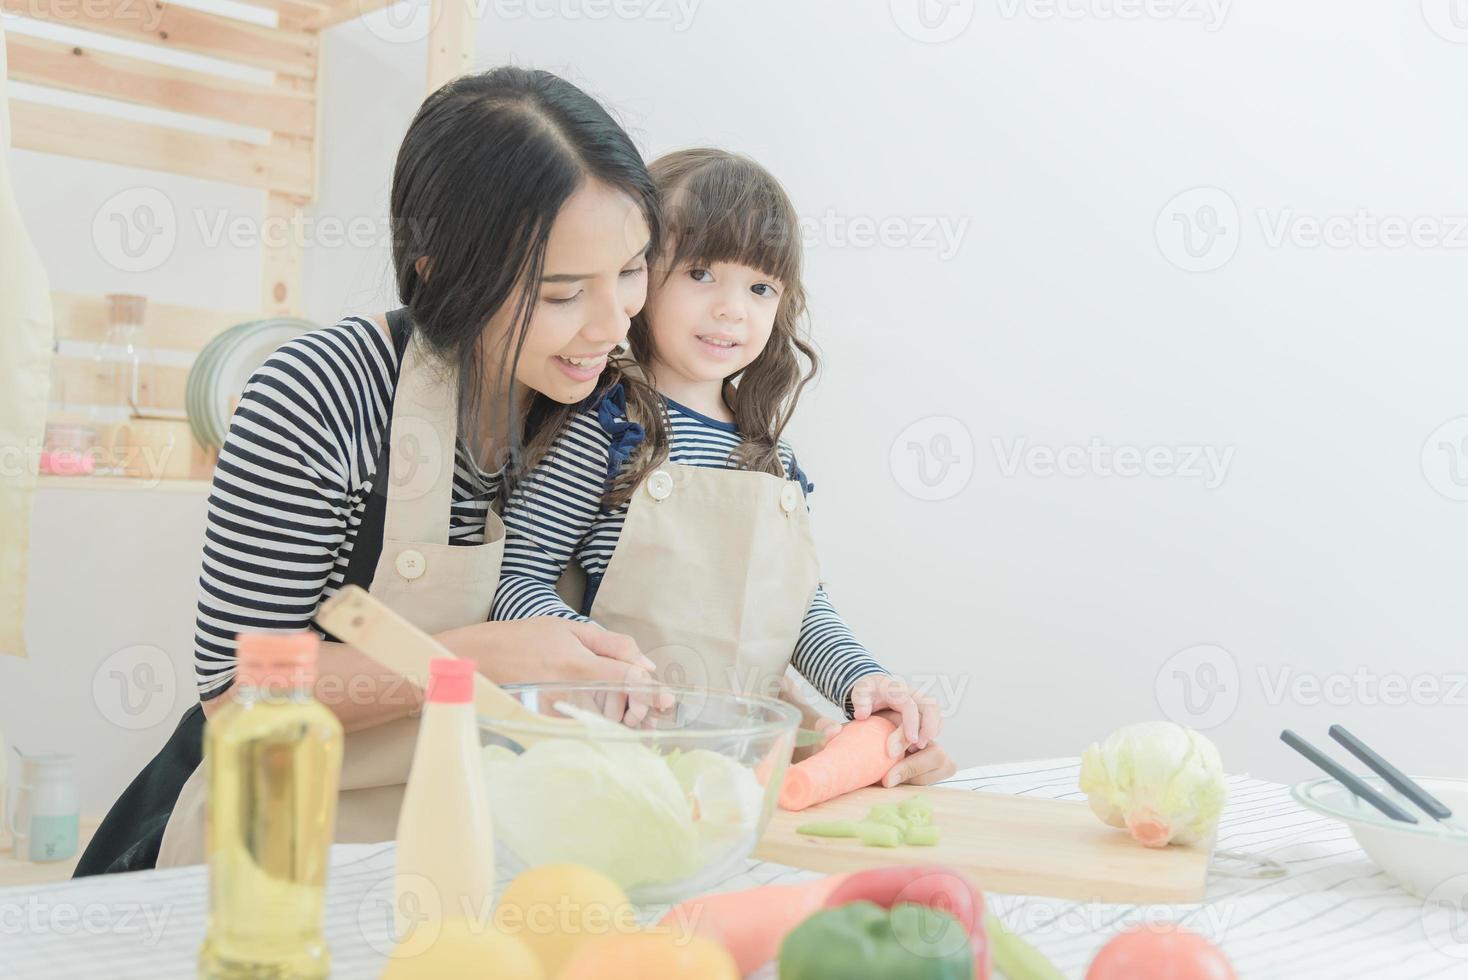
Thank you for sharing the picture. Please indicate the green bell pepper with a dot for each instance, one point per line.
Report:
(862, 939)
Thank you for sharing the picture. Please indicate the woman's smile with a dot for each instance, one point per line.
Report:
(587, 367)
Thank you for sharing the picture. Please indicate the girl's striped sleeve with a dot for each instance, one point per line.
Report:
(827, 654)
(547, 517)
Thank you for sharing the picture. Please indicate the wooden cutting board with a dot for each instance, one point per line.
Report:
(1010, 844)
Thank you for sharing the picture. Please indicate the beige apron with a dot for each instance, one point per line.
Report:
(434, 585)
(712, 576)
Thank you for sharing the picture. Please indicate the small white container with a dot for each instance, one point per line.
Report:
(45, 824)
(1427, 858)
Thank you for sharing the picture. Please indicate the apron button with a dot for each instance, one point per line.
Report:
(410, 564)
(660, 485)
(789, 498)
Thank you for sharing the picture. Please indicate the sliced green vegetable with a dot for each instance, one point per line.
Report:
(829, 828)
(879, 834)
(921, 836)
(1015, 959)
(887, 813)
(916, 810)
(885, 825)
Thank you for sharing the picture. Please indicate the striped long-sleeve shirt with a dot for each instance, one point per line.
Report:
(556, 515)
(292, 483)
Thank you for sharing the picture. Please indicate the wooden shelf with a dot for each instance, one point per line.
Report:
(115, 483)
(287, 109)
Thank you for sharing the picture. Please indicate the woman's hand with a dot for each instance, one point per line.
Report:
(548, 648)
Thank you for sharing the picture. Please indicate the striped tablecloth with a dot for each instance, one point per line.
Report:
(1334, 916)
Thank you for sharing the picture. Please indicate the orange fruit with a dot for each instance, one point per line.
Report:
(556, 909)
(660, 955)
(458, 948)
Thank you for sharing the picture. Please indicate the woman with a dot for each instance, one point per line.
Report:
(374, 452)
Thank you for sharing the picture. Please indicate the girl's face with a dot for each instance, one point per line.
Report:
(594, 281)
(709, 322)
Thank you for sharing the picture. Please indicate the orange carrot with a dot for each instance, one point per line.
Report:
(855, 757)
(780, 751)
(752, 923)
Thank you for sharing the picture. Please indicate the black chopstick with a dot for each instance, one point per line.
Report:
(1345, 778)
(1394, 776)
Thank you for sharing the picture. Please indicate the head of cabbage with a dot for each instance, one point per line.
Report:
(613, 804)
(1162, 782)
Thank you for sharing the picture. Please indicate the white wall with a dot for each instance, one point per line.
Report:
(1057, 146)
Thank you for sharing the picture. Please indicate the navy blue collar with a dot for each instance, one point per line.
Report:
(715, 423)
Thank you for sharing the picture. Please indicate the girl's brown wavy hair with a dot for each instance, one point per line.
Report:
(715, 206)
(723, 207)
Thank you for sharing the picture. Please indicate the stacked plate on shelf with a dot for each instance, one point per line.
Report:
(224, 365)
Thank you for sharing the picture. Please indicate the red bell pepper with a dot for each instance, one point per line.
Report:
(936, 886)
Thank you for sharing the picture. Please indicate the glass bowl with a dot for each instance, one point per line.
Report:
(667, 800)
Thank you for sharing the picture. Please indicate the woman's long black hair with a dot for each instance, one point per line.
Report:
(484, 169)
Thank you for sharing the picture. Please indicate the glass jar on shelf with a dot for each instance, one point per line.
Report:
(125, 365)
(69, 445)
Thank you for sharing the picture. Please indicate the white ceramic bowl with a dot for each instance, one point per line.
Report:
(1426, 858)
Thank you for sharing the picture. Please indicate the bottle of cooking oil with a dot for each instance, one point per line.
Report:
(272, 757)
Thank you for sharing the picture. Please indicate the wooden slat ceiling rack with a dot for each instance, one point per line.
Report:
(285, 167)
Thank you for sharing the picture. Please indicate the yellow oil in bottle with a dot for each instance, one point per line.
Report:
(273, 762)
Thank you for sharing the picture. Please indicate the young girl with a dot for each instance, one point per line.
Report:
(671, 488)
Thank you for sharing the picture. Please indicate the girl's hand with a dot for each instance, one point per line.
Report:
(917, 716)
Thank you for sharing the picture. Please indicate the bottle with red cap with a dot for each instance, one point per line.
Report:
(272, 757)
(445, 844)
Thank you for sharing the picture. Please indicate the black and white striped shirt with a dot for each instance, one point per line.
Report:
(292, 484)
(556, 516)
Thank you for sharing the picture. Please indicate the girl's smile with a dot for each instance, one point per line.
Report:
(719, 346)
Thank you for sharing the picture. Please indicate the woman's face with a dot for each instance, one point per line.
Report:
(594, 281)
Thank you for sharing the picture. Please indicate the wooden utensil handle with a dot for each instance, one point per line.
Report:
(369, 625)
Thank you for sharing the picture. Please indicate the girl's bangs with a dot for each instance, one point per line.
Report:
(731, 211)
